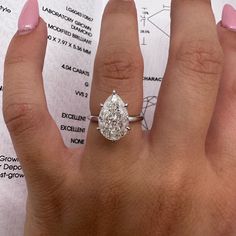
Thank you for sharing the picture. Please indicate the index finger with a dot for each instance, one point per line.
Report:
(25, 111)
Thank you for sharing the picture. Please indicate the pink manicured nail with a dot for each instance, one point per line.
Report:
(229, 17)
(29, 17)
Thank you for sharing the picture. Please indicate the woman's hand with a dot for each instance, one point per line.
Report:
(177, 179)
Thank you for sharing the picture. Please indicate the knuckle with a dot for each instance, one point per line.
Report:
(200, 58)
(112, 196)
(21, 60)
(15, 60)
(21, 117)
(113, 191)
(118, 70)
(173, 198)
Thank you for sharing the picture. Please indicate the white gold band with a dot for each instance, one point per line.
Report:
(132, 119)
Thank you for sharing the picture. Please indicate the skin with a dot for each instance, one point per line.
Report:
(178, 179)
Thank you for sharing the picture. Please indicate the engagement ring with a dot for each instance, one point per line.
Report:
(113, 120)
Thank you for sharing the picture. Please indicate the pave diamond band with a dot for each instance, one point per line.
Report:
(113, 120)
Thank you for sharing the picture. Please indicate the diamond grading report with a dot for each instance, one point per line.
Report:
(73, 32)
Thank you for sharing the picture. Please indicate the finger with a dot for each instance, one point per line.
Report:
(24, 106)
(188, 93)
(222, 134)
(118, 66)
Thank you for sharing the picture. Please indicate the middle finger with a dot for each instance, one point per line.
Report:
(189, 90)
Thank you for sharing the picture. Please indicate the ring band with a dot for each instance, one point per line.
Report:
(132, 119)
(113, 120)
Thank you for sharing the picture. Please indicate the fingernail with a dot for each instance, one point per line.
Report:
(229, 17)
(29, 17)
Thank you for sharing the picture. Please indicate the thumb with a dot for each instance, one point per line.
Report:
(35, 135)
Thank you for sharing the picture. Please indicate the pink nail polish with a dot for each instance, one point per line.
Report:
(229, 17)
(29, 17)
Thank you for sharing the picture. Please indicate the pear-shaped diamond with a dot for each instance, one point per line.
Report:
(113, 119)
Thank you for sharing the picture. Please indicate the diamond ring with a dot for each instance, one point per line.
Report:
(113, 120)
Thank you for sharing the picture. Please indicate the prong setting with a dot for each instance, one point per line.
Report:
(113, 118)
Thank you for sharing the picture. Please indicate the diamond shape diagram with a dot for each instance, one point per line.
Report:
(161, 20)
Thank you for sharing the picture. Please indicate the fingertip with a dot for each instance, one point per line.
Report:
(227, 27)
(29, 17)
(227, 37)
(120, 7)
(28, 47)
(229, 17)
(39, 31)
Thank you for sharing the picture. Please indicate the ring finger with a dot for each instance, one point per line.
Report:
(118, 66)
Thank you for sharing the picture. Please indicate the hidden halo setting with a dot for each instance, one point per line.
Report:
(113, 120)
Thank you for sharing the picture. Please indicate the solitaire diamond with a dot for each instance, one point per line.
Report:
(113, 119)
